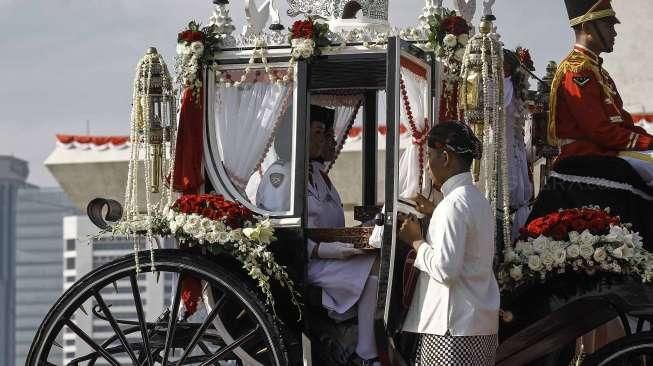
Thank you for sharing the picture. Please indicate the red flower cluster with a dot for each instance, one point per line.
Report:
(190, 36)
(455, 25)
(214, 207)
(302, 29)
(558, 224)
(525, 59)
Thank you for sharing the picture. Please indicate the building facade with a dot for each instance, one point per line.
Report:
(13, 173)
(39, 229)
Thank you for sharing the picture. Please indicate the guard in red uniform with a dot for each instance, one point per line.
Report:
(586, 115)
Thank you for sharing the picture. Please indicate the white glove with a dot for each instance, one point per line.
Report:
(337, 250)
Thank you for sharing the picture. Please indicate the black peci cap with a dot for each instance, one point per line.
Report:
(457, 137)
(324, 115)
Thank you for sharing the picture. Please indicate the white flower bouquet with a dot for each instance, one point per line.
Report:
(587, 240)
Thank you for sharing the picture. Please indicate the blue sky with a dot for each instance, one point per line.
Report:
(64, 62)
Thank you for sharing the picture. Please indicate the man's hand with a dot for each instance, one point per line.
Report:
(423, 205)
(410, 231)
(337, 250)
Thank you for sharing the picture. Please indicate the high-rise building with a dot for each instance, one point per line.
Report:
(13, 173)
(82, 254)
(39, 229)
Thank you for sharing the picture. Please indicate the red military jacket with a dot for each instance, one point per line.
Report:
(586, 115)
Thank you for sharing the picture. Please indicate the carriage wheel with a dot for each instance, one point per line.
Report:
(632, 350)
(235, 329)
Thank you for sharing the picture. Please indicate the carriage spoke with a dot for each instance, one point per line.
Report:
(115, 326)
(242, 339)
(141, 318)
(172, 321)
(201, 329)
(86, 338)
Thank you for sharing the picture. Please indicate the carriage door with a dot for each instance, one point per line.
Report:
(409, 112)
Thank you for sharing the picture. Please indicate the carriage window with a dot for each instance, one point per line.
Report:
(252, 131)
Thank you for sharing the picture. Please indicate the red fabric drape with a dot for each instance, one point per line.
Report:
(188, 175)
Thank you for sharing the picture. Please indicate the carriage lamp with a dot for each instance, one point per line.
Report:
(155, 115)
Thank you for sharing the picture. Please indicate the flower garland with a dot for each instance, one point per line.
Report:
(195, 46)
(585, 240)
(448, 34)
(210, 221)
(487, 116)
(258, 52)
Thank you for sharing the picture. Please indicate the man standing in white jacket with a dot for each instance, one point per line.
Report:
(456, 301)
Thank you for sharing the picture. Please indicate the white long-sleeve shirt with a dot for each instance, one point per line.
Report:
(456, 289)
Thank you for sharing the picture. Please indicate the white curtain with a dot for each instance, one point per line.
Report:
(417, 89)
(245, 121)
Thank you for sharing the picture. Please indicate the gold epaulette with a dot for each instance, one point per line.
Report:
(575, 62)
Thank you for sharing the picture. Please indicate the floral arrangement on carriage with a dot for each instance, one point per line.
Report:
(220, 226)
(585, 241)
(306, 36)
(448, 35)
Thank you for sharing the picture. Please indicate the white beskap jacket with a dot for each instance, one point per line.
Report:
(456, 289)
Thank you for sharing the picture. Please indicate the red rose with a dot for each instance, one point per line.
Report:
(598, 225)
(302, 29)
(525, 59)
(455, 25)
(559, 232)
(579, 225)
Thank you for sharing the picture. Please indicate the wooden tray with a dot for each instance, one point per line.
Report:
(359, 236)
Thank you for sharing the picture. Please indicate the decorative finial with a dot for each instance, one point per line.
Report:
(222, 22)
(466, 9)
(487, 6)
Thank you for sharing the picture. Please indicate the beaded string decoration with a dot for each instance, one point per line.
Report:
(481, 104)
(419, 136)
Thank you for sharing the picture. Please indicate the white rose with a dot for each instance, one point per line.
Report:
(560, 256)
(540, 244)
(180, 219)
(463, 39)
(524, 247)
(534, 262)
(600, 255)
(616, 234)
(618, 252)
(223, 236)
(182, 49)
(516, 273)
(197, 47)
(573, 251)
(459, 54)
(450, 40)
(586, 251)
(587, 238)
(547, 259)
(574, 237)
